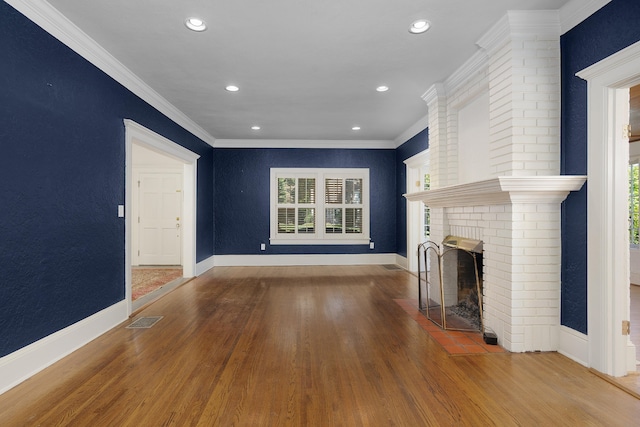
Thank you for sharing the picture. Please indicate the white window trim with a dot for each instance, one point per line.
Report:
(320, 237)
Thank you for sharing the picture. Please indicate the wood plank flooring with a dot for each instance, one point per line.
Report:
(303, 346)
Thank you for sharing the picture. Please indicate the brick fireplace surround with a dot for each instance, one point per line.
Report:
(514, 205)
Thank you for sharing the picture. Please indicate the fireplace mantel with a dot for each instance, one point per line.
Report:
(502, 190)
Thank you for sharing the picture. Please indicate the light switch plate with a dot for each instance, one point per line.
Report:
(120, 211)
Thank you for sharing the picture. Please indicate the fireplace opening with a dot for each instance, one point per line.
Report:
(450, 290)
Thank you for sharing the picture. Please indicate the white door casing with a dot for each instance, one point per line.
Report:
(609, 351)
(137, 134)
(415, 166)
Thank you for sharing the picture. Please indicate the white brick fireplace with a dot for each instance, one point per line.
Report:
(508, 193)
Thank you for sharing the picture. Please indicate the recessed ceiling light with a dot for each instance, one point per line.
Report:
(195, 24)
(382, 88)
(355, 128)
(255, 127)
(232, 88)
(419, 26)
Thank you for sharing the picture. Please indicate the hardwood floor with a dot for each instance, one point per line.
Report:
(303, 346)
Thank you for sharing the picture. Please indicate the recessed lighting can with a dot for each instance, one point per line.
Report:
(382, 88)
(195, 24)
(419, 26)
(232, 88)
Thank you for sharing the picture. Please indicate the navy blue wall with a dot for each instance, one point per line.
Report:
(609, 30)
(61, 180)
(242, 197)
(415, 145)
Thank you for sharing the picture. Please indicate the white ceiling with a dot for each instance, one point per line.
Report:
(306, 69)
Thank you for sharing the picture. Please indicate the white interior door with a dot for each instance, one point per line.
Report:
(160, 214)
(416, 168)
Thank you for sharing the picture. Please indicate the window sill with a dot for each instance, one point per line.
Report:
(361, 241)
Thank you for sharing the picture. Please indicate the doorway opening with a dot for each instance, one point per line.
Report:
(418, 215)
(608, 273)
(156, 235)
(159, 213)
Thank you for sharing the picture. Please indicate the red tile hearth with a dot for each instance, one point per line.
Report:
(455, 342)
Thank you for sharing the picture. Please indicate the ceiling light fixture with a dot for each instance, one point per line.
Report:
(420, 26)
(255, 127)
(382, 88)
(232, 88)
(195, 24)
(355, 128)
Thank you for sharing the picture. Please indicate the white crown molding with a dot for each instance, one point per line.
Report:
(413, 130)
(576, 11)
(502, 190)
(518, 23)
(496, 37)
(478, 63)
(436, 91)
(304, 143)
(535, 22)
(56, 24)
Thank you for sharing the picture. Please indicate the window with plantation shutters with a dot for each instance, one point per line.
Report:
(319, 206)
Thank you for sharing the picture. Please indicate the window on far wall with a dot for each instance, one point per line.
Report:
(319, 206)
(634, 204)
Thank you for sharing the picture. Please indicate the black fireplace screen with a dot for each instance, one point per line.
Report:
(450, 283)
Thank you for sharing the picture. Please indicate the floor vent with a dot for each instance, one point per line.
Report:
(392, 267)
(144, 322)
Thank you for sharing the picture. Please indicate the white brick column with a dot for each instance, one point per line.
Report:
(524, 91)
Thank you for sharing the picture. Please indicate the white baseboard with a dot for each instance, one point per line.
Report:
(402, 261)
(574, 345)
(205, 265)
(303, 259)
(28, 361)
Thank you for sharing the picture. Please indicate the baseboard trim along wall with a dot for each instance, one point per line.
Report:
(303, 259)
(204, 265)
(28, 361)
(574, 345)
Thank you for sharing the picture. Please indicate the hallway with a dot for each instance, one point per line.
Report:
(316, 346)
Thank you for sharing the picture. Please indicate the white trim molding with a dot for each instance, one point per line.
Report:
(303, 259)
(205, 265)
(358, 144)
(573, 345)
(607, 209)
(137, 134)
(576, 11)
(413, 130)
(60, 27)
(502, 190)
(28, 361)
